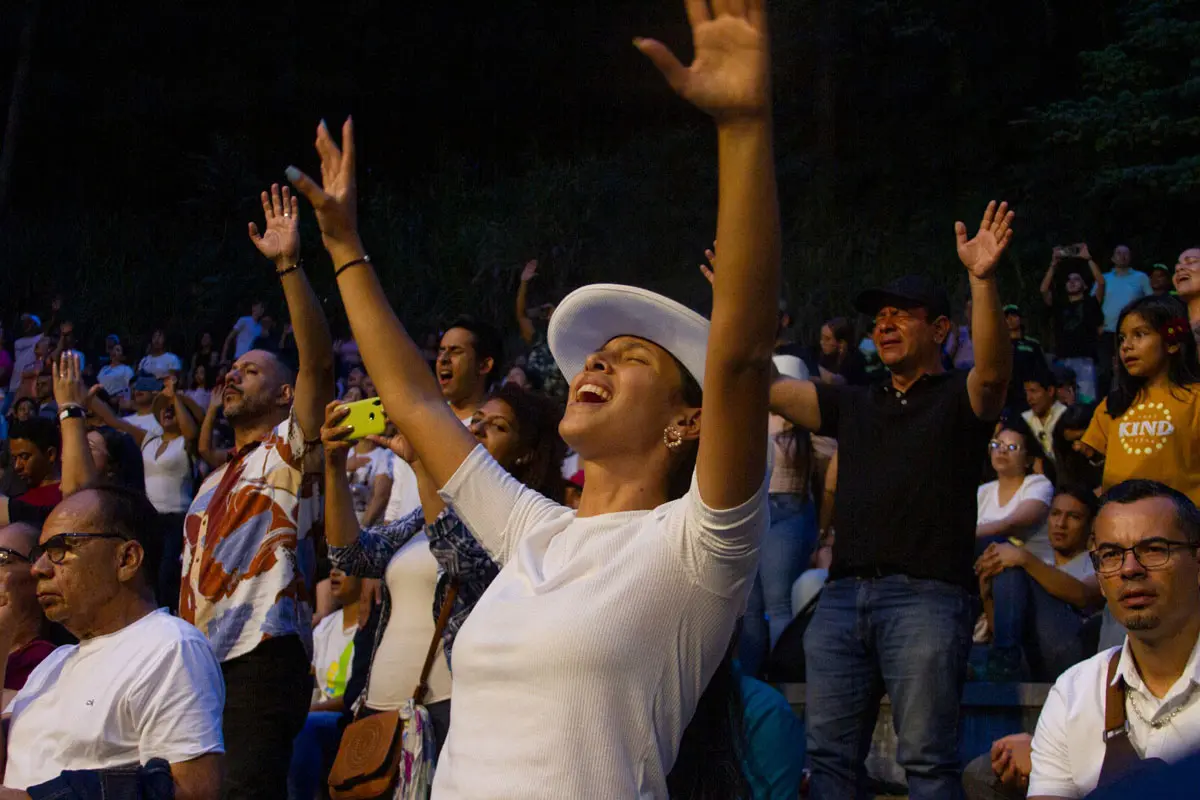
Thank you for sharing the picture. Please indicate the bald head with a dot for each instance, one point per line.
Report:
(258, 387)
(19, 536)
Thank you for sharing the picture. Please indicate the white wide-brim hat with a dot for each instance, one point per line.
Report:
(592, 316)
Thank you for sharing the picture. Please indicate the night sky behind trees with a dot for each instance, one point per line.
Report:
(493, 133)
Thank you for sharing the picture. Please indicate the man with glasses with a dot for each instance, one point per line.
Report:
(140, 684)
(17, 542)
(1187, 285)
(895, 616)
(1139, 702)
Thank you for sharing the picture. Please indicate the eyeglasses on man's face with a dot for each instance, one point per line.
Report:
(57, 547)
(11, 556)
(1004, 447)
(1152, 553)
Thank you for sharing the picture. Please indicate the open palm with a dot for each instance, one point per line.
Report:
(981, 254)
(280, 242)
(729, 78)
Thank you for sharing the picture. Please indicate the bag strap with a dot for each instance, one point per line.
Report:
(443, 618)
(1115, 723)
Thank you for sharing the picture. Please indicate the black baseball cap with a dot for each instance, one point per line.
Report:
(1013, 308)
(909, 291)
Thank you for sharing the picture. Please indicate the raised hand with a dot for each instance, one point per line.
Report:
(69, 388)
(530, 271)
(170, 384)
(730, 75)
(281, 240)
(335, 201)
(981, 254)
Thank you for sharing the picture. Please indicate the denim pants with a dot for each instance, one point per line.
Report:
(904, 636)
(312, 754)
(1051, 631)
(786, 549)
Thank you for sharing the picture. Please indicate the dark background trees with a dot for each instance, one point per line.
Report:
(492, 133)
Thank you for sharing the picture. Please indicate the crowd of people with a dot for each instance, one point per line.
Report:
(275, 569)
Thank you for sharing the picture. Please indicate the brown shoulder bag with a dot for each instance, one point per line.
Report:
(368, 758)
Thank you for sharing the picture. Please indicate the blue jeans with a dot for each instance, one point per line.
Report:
(1026, 616)
(900, 635)
(312, 754)
(786, 549)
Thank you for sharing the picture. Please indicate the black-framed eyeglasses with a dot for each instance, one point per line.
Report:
(10, 556)
(995, 444)
(1150, 553)
(56, 547)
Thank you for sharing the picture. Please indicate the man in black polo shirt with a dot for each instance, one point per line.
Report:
(895, 615)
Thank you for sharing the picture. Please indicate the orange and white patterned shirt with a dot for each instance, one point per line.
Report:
(248, 556)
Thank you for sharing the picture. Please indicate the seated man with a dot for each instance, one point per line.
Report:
(1041, 607)
(140, 684)
(34, 446)
(1003, 772)
(1135, 704)
(17, 543)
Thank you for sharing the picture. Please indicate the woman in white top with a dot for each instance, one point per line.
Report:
(116, 374)
(1017, 503)
(169, 461)
(582, 665)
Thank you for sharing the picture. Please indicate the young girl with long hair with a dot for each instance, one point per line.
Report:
(1149, 425)
(581, 667)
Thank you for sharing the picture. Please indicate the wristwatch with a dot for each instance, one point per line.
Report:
(71, 412)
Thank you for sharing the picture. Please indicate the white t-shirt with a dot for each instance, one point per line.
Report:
(23, 358)
(411, 577)
(151, 690)
(170, 484)
(146, 422)
(247, 330)
(115, 380)
(582, 664)
(1035, 487)
(1068, 745)
(331, 661)
(161, 366)
(405, 498)
(362, 480)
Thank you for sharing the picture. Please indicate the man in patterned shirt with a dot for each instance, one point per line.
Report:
(248, 558)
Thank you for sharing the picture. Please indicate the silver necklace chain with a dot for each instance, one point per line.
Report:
(1158, 723)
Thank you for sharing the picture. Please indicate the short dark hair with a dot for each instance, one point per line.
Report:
(1187, 516)
(1042, 376)
(1081, 493)
(39, 430)
(128, 513)
(488, 342)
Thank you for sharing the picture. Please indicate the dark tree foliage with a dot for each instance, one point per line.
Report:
(493, 133)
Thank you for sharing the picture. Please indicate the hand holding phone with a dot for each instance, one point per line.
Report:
(365, 418)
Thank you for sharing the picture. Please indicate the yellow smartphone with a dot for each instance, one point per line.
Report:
(1015, 542)
(366, 416)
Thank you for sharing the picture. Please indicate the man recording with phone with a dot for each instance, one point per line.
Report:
(248, 556)
(1076, 315)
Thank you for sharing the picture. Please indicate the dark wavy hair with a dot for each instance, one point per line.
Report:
(542, 449)
(1033, 448)
(1183, 369)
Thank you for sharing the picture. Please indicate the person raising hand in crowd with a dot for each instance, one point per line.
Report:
(533, 324)
(633, 598)
(902, 565)
(254, 600)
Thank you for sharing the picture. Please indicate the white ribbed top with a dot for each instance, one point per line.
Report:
(580, 667)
